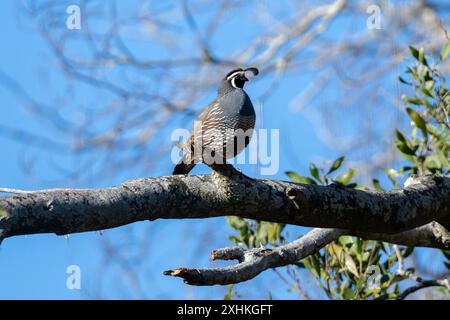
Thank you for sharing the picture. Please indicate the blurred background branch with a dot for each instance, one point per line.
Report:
(102, 101)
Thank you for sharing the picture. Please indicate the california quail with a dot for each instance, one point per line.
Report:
(224, 128)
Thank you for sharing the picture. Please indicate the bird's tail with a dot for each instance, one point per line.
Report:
(184, 166)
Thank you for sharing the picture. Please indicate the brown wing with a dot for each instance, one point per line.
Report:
(208, 119)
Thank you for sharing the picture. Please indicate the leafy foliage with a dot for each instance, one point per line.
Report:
(351, 268)
(427, 148)
(255, 233)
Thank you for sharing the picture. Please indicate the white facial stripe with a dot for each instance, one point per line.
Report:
(233, 83)
(234, 74)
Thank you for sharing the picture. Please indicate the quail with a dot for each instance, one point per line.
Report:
(225, 126)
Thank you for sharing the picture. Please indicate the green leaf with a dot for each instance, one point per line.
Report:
(432, 162)
(443, 159)
(235, 240)
(429, 85)
(403, 81)
(408, 252)
(273, 231)
(236, 222)
(414, 52)
(405, 169)
(413, 74)
(445, 52)
(422, 58)
(415, 100)
(392, 174)
(348, 294)
(402, 138)
(229, 295)
(427, 92)
(411, 159)
(262, 234)
(345, 178)
(377, 185)
(392, 260)
(336, 164)
(354, 185)
(300, 179)
(313, 264)
(446, 254)
(418, 120)
(314, 172)
(433, 131)
(346, 241)
(405, 149)
(447, 265)
(351, 265)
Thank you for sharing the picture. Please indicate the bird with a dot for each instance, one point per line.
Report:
(224, 128)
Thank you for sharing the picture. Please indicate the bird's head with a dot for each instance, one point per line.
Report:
(236, 78)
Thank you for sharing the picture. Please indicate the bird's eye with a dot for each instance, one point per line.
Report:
(237, 82)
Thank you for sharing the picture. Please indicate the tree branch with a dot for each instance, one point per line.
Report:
(421, 284)
(405, 216)
(254, 261)
(64, 211)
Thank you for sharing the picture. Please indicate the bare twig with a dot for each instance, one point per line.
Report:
(411, 275)
(257, 260)
(424, 284)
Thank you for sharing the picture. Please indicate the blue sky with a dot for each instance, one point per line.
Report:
(34, 267)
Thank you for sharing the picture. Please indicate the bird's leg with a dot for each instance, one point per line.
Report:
(224, 169)
(227, 170)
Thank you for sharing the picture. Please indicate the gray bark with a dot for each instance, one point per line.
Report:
(417, 215)
(64, 211)
(254, 261)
